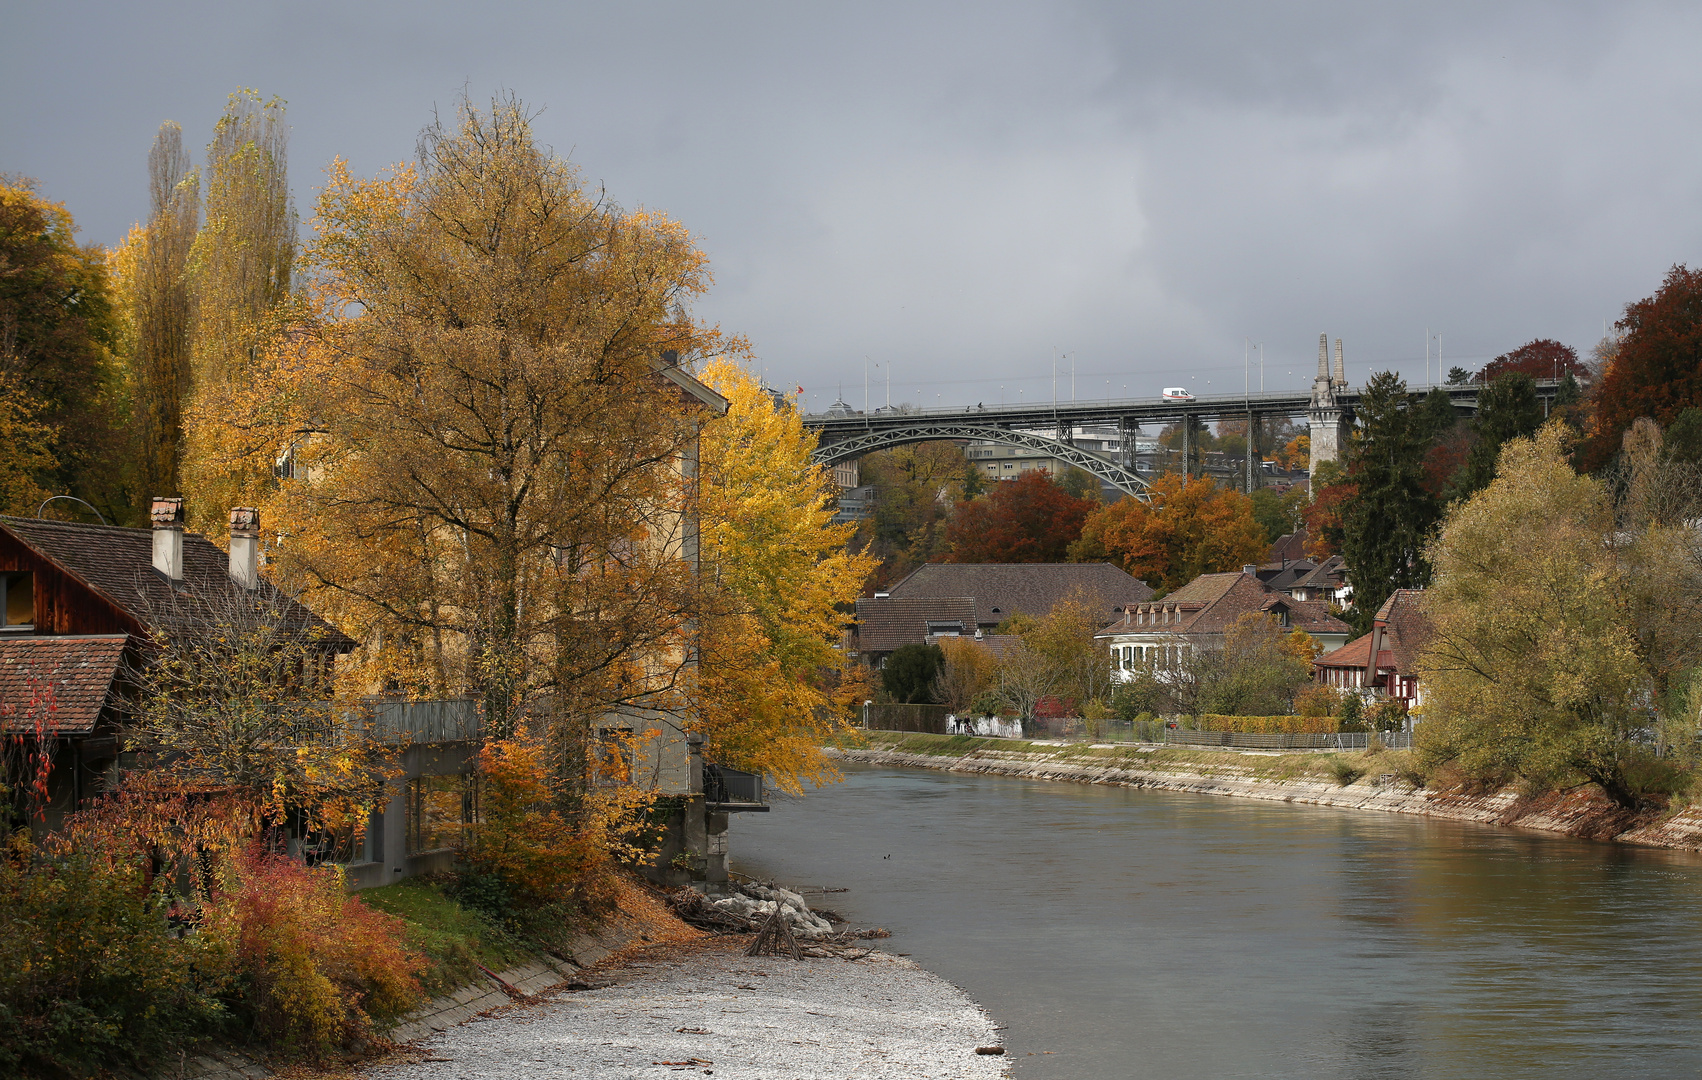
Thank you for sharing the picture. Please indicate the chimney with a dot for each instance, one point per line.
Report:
(1249, 568)
(167, 516)
(245, 546)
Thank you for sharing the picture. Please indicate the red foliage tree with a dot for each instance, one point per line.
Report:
(1657, 370)
(1543, 358)
(1026, 520)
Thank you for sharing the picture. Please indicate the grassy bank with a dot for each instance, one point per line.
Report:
(1341, 767)
(454, 939)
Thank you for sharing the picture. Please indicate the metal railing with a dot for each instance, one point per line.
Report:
(1349, 740)
(722, 785)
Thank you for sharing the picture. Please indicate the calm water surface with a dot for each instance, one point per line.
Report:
(1154, 934)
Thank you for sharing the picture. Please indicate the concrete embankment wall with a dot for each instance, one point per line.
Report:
(1576, 813)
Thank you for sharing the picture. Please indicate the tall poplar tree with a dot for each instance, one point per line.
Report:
(1389, 518)
(242, 266)
(160, 312)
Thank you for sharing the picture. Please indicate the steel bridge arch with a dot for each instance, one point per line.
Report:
(855, 446)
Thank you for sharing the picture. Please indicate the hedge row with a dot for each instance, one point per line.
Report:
(1272, 725)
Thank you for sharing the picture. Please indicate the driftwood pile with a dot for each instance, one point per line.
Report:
(773, 934)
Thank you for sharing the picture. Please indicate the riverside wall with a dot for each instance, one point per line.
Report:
(1578, 813)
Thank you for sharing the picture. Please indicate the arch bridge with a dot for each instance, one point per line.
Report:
(1328, 406)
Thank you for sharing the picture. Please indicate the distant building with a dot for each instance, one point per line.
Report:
(940, 600)
(1160, 634)
(1000, 462)
(1004, 589)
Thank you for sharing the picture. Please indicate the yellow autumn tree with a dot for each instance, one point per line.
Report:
(773, 680)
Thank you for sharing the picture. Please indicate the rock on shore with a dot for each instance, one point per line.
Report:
(758, 902)
(709, 1010)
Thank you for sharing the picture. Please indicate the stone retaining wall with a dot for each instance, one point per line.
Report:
(1575, 813)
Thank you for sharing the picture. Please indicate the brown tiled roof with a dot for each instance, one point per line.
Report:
(886, 622)
(56, 684)
(1404, 628)
(1328, 575)
(119, 564)
(1355, 654)
(1211, 603)
(1000, 645)
(1288, 547)
(1002, 589)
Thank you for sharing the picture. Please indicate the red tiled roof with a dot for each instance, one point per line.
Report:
(56, 684)
(1355, 654)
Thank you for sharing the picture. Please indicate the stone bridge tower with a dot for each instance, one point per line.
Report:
(1328, 419)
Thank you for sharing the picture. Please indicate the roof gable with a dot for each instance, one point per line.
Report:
(117, 564)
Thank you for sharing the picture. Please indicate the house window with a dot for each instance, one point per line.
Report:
(17, 599)
(437, 809)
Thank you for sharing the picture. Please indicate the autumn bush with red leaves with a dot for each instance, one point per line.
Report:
(313, 966)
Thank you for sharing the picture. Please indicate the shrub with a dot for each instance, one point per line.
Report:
(530, 867)
(92, 975)
(1344, 772)
(1317, 701)
(1352, 714)
(314, 966)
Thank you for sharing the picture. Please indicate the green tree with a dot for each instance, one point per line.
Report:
(1532, 669)
(910, 671)
(57, 331)
(1388, 519)
(1254, 670)
(1507, 409)
(1279, 513)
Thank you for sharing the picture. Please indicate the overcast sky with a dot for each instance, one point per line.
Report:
(953, 192)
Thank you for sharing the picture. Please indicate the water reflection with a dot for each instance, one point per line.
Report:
(1151, 934)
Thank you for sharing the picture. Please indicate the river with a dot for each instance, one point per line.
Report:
(1124, 933)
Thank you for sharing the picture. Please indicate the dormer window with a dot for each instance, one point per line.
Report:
(17, 600)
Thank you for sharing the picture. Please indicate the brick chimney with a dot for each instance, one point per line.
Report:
(245, 546)
(167, 516)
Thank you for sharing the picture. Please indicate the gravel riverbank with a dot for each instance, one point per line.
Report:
(707, 1009)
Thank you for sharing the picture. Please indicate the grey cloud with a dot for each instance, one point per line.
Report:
(957, 190)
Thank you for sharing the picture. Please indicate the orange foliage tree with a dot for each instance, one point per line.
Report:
(1656, 370)
(1026, 520)
(1191, 527)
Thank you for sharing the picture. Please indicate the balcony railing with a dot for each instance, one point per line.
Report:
(732, 787)
(451, 720)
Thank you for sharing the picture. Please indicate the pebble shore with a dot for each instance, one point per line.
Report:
(707, 1009)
